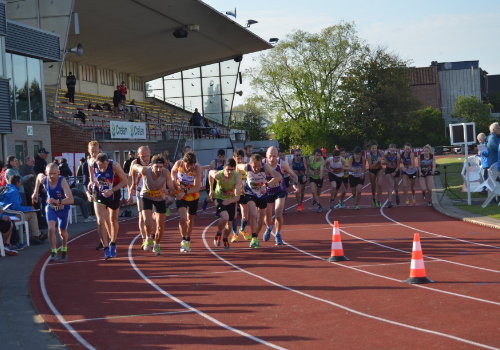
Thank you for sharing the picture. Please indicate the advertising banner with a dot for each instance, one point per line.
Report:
(127, 130)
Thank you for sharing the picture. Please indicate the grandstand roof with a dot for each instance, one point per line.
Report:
(135, 36)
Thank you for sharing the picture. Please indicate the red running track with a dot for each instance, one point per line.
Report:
(282, 296)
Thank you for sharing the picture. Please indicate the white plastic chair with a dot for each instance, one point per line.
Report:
(19, 225)
(73, 212)
(474, 164)
(492, 184)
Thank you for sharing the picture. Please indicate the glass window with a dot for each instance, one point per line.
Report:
(212, 70)
(191, 73)
(175, 101)
(227, 102)
(190, 103)
(212, 104)
(1, 57)
(35, 89)
(173, 88)
(228, 84)
(174, 76)
(211, 86)
(21, 87)
(11, 85)
(192, 87)
(154, 88)
(229, 67)
(217, 117)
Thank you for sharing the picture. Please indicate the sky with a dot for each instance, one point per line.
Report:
(422, 31)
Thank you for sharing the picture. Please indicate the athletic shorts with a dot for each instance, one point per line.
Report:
(375, 171)
(391, 170)
(287, 181)
(156, 206)
(115, 104)
(354, 181)
(411, 176)
(5, 226)
(318, 182)
(243, 199)
(271, 198)
(338, 180)
(207, 186)
(60, 216)
(111, 204)
(260, 203)
(345, 180)
(192, 206)
(302, 180)
(231, 208)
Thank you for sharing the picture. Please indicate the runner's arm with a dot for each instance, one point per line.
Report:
(237, 192)
(91, 175)
(288, 170)
(419, 168)
(197, 181)
(276, 176)
(39, 180)
(212, 165)
(170, 183)
(67, 192)
(118, 171)
(322, 169)
(346, 165)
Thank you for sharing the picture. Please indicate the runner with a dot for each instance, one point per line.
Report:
(186, 175)
(170, 200)
(300, 168)
(248, 152)
(59, 199)
(256, 192)
(216, 164)
(345, 179)
(357, 175)
(392, 173)
(276, 194)
(239, 156)
(135, 184)
(426, 169)
(337, 166)
(409, 172)
(375, 161)
(225, 196)
(316, 172)
(105, 183)
(286, 176)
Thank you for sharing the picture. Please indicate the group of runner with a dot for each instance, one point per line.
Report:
(246, 183)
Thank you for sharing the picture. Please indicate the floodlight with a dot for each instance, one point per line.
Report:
(239, 93)
(250, 22)
(180, 33)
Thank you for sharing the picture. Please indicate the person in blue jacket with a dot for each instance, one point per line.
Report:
(492, 143)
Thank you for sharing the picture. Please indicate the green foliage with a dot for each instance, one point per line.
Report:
(250, 120)
(427, 127)
(470, 109)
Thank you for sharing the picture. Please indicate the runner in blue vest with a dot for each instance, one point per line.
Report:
(301, 169)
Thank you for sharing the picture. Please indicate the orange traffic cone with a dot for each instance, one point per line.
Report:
(417, 269)
(337, 250)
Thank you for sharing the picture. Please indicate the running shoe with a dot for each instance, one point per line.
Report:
(168, 211)
(217, 240)
(204, 205)
(101, 247)
(407, 202)
(217, 215)
(279, 241)
(64, 257)
(300, 207)
(353, 198)
(254, 243)
(378, 204)
(389, 204)
(112, 251)
(356, 207)
(235, 238)
(187, 247)
(246, 235)
(314, 201)
(267, 234)
(341, 205)
(183, 246)
(226, 245)
(53, 256)
(11, 251)
(18, 246)
(397, 200)
(429, 204)
(423, 195)
(332, 204)
(149, 245)
(374, 202)
(413, 201)
(107, 255)
(320, 209)
(157, 250)
(143, 243)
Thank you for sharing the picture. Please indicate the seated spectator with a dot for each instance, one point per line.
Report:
(80, 199)
(6, 227)
(64, 169)
(13, 197)
(12, 168)
(89, 106)
(97, 107)
(133, 102)
(106, 106)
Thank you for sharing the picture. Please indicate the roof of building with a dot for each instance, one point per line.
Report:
(424, 75)
(458, 65)
(136, 36)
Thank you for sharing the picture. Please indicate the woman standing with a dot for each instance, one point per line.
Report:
(337, 166)
(375, 160)
(316, 170)
(409, 172)
(392, 173)
(426, 168)
(357, 175)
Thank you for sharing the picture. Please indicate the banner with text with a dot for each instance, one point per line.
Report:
(127, 130)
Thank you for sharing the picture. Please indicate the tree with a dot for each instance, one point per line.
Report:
(250, 119)
(470, 109)
(427, 127)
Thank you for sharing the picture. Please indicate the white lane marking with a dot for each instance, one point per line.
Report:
(193, 274)
(338, 305)
(127, 316)
(405, 263)
(189, 307)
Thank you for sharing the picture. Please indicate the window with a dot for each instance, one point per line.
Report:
(137, 84)
(89, 73)
(1, 57)
(106, 77)
(70, 67)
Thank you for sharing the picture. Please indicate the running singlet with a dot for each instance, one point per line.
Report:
(357, 167)
(407, 163)
(106, 181)
(223, 189)
(217, 167)
(286, 161)
(56, 193)
(337, 167)
(299, 168)
(426, 164)
(375, 157)
(186, 181)
(277, 187)
(346, 174)
(392, 160)
(138, 180)
(255, 182)
(315, 169)
(152, 188)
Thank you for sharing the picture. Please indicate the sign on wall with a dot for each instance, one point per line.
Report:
(127, 130)
(30, 130)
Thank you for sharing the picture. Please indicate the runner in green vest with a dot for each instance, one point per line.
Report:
(316, 171)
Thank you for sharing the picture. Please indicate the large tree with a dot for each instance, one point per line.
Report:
(470, 109)
(250, 116)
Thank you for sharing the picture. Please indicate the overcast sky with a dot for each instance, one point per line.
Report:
(423, 31)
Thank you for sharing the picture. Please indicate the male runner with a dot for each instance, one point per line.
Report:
(216, 164)
(106, 180)
(239, 156)
(186, 176)
(276, 194)
(59, 200)
(337, 166)
(154, 190)
(256, 192)
(168, 165)
(135, 184)
(226, 195)
(357, 164)
(286, 177)
(300, 168)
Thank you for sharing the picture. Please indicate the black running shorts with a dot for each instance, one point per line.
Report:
(230, 208)
(192, 206)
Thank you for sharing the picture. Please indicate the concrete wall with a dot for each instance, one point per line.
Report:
(41, 136)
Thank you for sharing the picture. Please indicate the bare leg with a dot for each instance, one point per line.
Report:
(252, 210)
(390, 180)
(373, 182)
(260, 220)
(224, 219)
(142, 221)
(405, 186)
(52, 234)
(380, 182)
(314, 190)
(183, 221)
(103, 222)
(64, 237)
(342, 193)
(113, 217)
(190, 225)
(268, 219)
(413, 188)
(6, 236)
(359, 188)
(160, 228)
(279, 206)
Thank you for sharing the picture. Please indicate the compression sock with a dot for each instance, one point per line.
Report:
(278, 233)
(224, 239)
(184, 238)
(235, 227)
(64, 249)
(243, 224)
(188, 239)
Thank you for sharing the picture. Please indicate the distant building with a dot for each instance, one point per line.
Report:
(425, 86)
(494, 83)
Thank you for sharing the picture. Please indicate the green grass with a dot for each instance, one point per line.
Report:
(454, 167)
(491, 210)
(453, 164)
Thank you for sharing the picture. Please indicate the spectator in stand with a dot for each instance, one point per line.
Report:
(89, 106)
(132, 103)
(64, 169)
(6, 227)
(40, 165)
(215, 131)
(97, 107)
(13, 197)
(81, 200)
(12, 168)
(292, 151)
(206, 124)
(126, 164)
(123, 92)
(492, 143)
(117, 97)
(196, 123)
(70, 85)
(29, 183)
(79, 171)
(323, 150)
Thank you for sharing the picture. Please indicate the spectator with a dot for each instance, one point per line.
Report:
(262, 153)
(40, 165)
(106, 106)
(79, 171)
(206, 130)
(80, 199)
(6, 227)
(97, 107)
(292, 151)
(12, 168)
(13, 197)
(41, 161)
(70, 85)
(123, 92)
(323, 149)
(117, 97)
(56, 162)
(89, 106)
(196, 123)
(483, 153)
(3, 182)
(215, 131)
(492, 143)
(132, 103)
(64, 169)
(128, 162)
(29, 183)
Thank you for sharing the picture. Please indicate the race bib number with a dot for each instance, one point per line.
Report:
(57, 207)
(337, 170)
(153, 193)
(274, 185)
